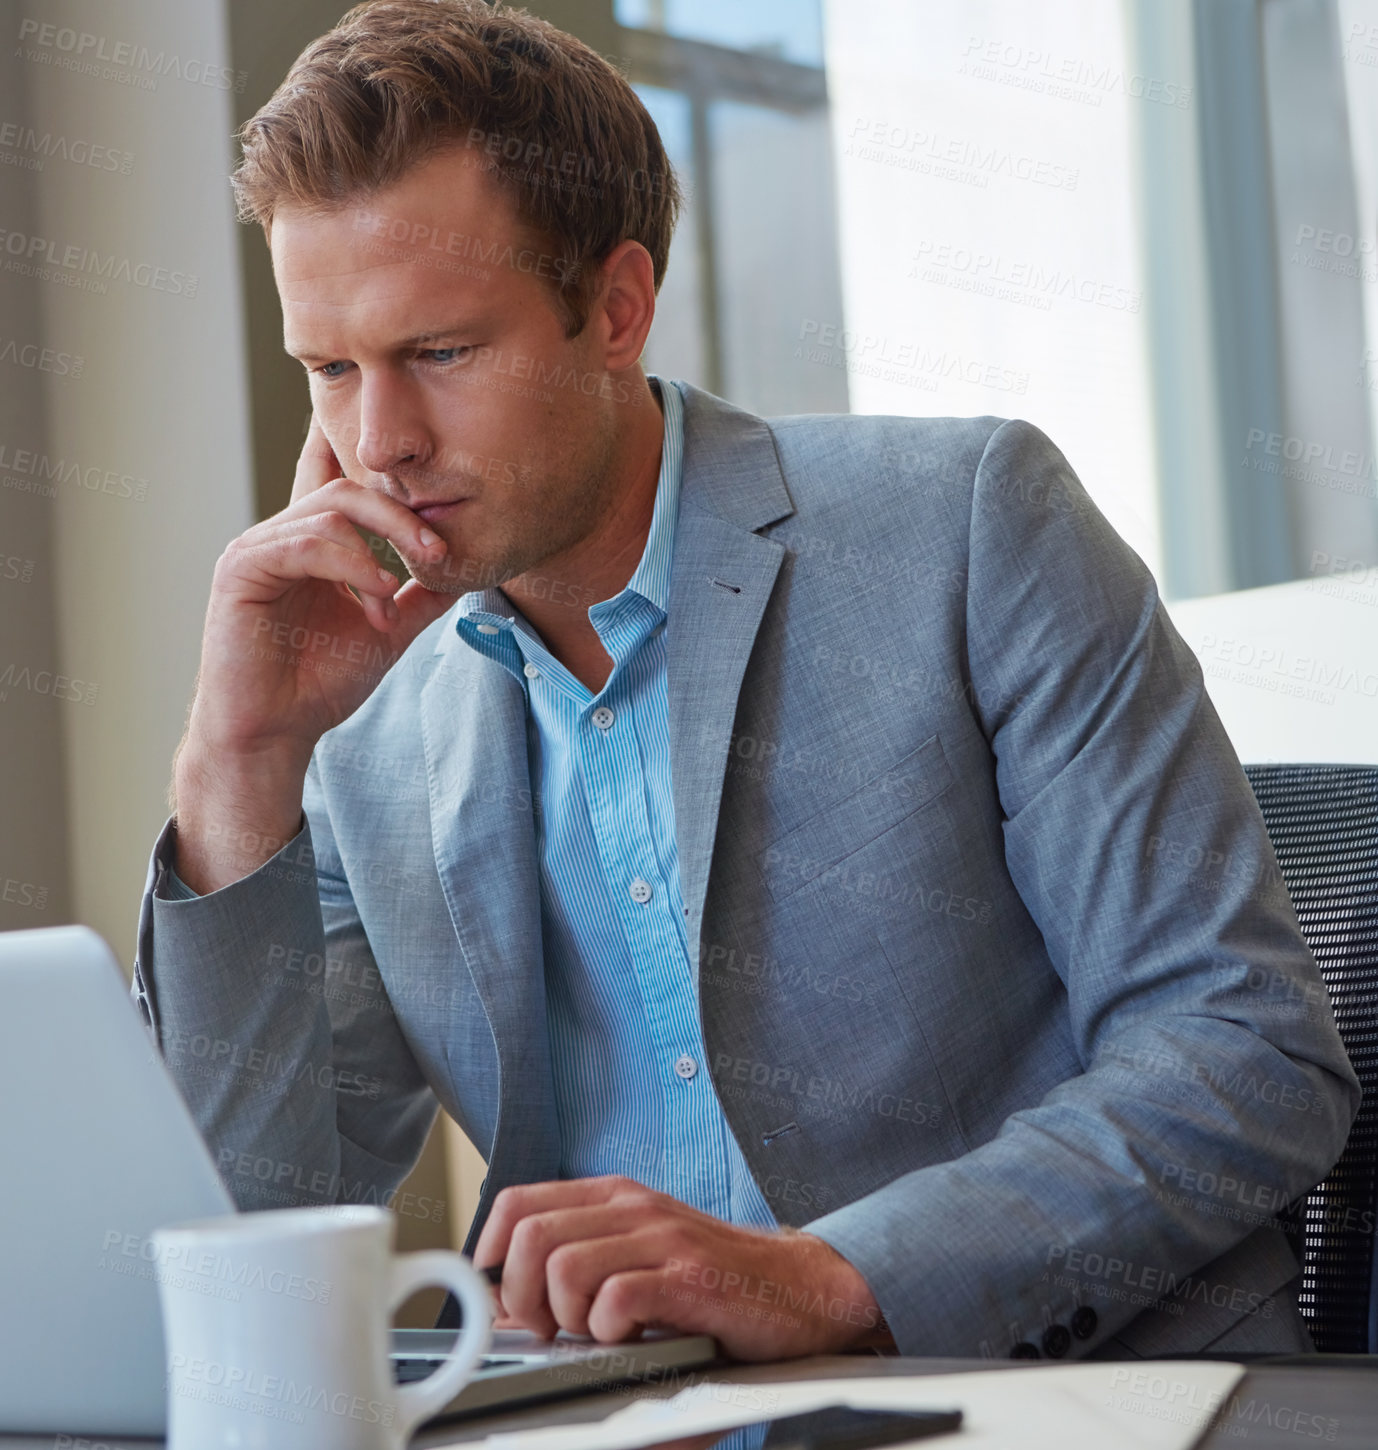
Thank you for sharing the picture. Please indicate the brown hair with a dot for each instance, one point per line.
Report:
(559, 129)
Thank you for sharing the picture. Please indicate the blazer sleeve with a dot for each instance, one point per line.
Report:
(1135, 842)
(271, 1015)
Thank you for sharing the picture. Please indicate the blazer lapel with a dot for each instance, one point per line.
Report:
(721, 581)
(473, 723)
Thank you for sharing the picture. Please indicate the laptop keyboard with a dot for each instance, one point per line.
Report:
(408, 1371)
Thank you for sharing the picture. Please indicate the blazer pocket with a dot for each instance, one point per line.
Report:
(834, 833)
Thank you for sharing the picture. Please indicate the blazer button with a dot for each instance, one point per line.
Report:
(1084, 1322)
(1025, 1350)
(1056, 1341)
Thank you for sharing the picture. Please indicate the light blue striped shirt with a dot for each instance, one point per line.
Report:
(633, 1091)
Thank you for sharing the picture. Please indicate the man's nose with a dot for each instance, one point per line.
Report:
(390, 433)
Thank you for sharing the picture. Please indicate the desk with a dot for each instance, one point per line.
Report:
(1270, 1395)
(1347, 1395)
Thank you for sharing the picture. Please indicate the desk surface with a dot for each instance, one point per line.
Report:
(1270, 1399)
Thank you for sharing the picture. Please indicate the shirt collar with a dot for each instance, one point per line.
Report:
(489, 610)
(651, 578)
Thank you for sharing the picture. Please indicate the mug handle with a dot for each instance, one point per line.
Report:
(409, 1272)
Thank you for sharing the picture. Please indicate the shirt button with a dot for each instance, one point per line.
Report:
(1084, 1322)
(640, 890)
(686, 1067)
(1057, 1340)
(489, 629)
(602, 717)
(531, 672)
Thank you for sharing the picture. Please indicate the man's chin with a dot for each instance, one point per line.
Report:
(436, 585)
(453, 576)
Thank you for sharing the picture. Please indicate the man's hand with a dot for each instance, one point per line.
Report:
(287, 654)
(608, 1257)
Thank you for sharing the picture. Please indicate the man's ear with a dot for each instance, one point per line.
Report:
(625, 305)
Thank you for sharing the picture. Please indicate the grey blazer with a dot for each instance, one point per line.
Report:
(1001, 990)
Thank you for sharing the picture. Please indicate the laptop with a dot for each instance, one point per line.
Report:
(98, 1150)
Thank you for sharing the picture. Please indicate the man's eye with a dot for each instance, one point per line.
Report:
(446, 354)
(325, 369)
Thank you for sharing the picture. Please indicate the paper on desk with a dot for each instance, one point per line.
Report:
(1144, 1405)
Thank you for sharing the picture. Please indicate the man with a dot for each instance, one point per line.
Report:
(803, 858)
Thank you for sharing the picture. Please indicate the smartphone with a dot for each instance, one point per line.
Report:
(841, 1428)
(838, 1427)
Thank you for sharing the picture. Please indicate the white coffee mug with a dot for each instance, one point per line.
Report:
(276, 1326)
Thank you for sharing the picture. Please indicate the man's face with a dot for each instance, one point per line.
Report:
(441, 374)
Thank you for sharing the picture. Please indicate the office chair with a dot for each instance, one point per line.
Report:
(1323, 823)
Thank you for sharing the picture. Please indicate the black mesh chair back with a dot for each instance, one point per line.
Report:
(1323, 823)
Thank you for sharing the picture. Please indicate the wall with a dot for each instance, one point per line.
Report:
(133, 268)
(33, 792)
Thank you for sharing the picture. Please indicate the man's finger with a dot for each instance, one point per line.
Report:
(368, 509)
(514, 1204)
(578, 1273)
(626, 1303)
(417, 607)
(557, 1259)
(317, 464)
